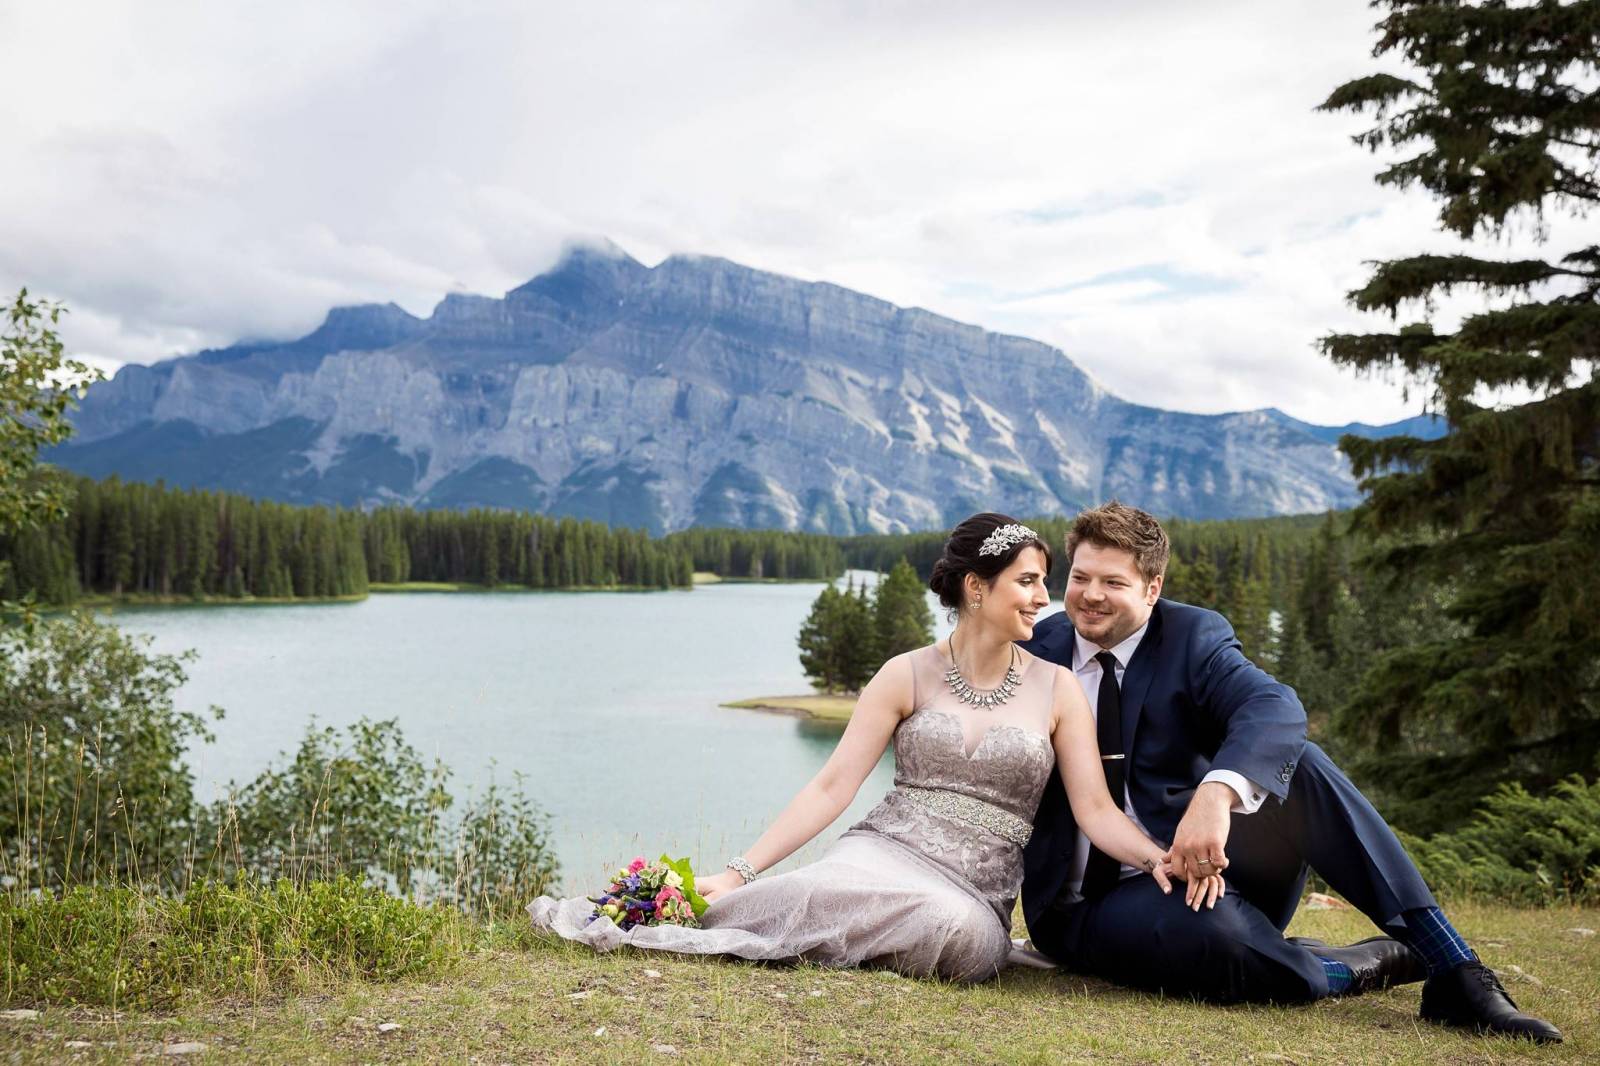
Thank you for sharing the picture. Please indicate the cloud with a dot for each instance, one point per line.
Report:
(1144, 185)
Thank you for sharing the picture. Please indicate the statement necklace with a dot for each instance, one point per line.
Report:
(987, 700)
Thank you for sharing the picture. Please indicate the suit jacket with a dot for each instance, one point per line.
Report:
(1191, 703)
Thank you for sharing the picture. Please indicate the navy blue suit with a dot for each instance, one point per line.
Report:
(1191, 703)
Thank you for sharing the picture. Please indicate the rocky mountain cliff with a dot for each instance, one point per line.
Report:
(696, 392)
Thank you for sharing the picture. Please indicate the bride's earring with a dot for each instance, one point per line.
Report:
(976, 604)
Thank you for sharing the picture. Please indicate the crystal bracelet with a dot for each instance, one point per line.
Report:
(740, 866)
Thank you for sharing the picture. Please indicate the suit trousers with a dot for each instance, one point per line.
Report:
(1135, 935)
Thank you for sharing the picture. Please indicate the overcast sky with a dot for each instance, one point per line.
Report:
(1143, 184)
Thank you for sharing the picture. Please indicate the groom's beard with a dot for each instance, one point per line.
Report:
(1106, 625)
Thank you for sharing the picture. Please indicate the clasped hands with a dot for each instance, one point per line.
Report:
(1199, 848)
(1201, 891)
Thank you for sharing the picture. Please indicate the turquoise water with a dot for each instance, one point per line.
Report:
(607, 702)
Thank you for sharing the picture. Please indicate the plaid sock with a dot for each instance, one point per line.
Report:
(1429, 933)
(1339, 975)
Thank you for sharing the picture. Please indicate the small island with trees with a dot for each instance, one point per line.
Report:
(847, 635)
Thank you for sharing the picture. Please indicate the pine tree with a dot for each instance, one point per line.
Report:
(859, 658)
(820, 641)
(900, 613)
(1500, 123)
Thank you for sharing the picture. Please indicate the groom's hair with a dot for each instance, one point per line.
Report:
(1116, 525)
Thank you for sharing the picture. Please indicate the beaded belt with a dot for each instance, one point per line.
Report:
(963, 808)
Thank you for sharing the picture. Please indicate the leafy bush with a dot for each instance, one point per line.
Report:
(100, 792)
(94, 749)
(1521, 848)
(367, 807)
(119, 946)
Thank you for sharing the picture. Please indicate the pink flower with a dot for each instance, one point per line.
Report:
(635, 866)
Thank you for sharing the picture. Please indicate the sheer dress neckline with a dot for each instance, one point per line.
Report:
(971, 749)
(976, 727)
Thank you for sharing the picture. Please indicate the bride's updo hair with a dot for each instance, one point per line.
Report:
(961, 557)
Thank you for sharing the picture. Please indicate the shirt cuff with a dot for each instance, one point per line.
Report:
(1249, 795)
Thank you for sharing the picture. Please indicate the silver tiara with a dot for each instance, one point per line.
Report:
(1001, 540)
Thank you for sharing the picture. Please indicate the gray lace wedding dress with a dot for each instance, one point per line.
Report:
(925, 883)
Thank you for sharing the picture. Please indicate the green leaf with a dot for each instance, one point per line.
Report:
(683, 869)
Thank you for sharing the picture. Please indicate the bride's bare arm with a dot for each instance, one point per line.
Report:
(1105, 823)
(880, 707)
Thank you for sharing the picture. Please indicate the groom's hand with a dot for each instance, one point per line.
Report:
(1203, 832)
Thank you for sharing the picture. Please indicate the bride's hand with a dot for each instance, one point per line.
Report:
(1160, 869)
(1205, 890)
(718, 885)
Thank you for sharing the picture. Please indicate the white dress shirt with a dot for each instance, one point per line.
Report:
(1248, 796)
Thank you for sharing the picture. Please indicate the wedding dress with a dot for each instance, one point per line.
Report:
(925, 883)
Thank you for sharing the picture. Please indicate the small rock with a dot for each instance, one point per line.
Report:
(388, 1027)
(23, 1015)
(1519, 974)
(1581, 931)
(79, 1043)
(664, 1049)
(1321, 901)
(652, 974)
(814, 993)
(780, 995)
(585, 994)
(188, 1047)
(600, 1031)
(1493, 944)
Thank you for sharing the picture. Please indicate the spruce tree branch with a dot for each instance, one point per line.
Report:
(1397, 281)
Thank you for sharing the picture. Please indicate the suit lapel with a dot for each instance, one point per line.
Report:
(1136, 680)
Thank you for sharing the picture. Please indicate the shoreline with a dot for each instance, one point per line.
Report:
(104, 601)
(820, 708)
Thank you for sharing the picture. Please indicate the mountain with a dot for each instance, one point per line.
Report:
(695, 392)
(1423, 427)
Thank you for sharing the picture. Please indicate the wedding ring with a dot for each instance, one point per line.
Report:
(1202, 862)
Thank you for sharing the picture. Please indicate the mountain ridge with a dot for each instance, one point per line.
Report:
(695, 392)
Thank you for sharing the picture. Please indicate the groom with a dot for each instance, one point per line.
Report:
(1210, 753)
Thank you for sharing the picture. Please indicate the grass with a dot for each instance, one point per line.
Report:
(521, 998)
(823, 708)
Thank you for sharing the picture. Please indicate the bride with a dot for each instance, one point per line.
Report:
(926, 882)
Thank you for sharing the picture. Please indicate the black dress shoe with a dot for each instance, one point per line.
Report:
(1472, 997)
(1376, 962)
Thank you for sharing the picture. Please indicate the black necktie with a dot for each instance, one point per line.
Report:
(1101, 873)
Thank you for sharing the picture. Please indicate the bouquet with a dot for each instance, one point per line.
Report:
(654, 893)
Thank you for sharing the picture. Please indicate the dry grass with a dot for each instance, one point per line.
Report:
(536, 1001)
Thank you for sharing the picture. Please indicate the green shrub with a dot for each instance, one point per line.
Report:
(99, 792)
(125, 948)
(1521, 848)
(366, 806)
(93, 748)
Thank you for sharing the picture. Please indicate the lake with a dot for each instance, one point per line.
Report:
(607, 702)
